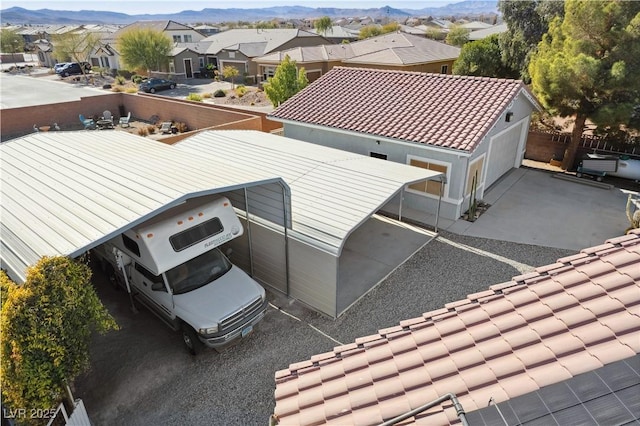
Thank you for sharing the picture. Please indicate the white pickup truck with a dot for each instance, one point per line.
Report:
(173, 266)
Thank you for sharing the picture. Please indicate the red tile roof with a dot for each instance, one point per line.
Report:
(448, 111)
(540, 328)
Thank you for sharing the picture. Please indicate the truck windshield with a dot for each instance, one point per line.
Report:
(198, 271)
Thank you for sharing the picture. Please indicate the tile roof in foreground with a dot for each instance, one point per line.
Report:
(541, 328)
(448, 111)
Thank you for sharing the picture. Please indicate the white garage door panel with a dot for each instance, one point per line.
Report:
(503, 153)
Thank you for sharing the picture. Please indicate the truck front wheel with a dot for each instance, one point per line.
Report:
(190, 339)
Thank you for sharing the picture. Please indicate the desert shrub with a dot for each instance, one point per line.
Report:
(120, 80)
(194, 97)
(219, 93)
(131, 90)
(206, 95)
(143, 131)
(124, 73)
(182, 127)
(241, 91)
(137, 79)
(116, 89)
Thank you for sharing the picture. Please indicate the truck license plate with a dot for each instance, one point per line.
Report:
(247, 330)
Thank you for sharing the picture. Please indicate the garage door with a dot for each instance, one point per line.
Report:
(503, 153)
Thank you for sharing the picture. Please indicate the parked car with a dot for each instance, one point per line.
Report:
(57, 67)
(73, 68)
(152, 85)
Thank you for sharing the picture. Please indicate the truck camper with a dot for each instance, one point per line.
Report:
(172, 264)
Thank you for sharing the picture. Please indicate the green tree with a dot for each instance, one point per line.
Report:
(145, 49)
(369, 31)
(527, 21)
(11, 42)
(286, 82)
(231, 73)
(73, 46)
(47, 324)
(587, 65)
(435, 33)
(322, 25)
(457, 36)
(483, 58)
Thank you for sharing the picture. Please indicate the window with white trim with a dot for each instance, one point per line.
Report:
(188, 38)
(431, 187)
(177, 38)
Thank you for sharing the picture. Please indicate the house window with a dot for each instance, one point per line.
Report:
(172, 67)
(268, 73)
(201, 62)
(444, 69)
(232, 55)
(188, 38)
(378, 155)
(105, 62)
(430, 186)
(177, 39)
(94, 62)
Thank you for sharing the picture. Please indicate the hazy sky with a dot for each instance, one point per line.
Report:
(164, 6)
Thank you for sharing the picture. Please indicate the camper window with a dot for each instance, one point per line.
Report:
(198, 233)
(131, 245)
(148, 274)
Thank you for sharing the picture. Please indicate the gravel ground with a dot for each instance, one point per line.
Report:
(141, 375)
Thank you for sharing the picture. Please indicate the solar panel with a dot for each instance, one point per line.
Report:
(608, 395)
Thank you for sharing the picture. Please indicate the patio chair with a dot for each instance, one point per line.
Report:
(106, 122)
(165, 127)
(88, 123)
(124, 121)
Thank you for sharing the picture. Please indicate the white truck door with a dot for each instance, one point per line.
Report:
(153, 289)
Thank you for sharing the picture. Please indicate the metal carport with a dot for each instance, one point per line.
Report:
(334, 196)
(64, 193)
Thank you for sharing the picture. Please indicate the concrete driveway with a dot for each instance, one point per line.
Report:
(532, 206)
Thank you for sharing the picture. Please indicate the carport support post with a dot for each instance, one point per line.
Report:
(439, 202)
(246, 210)
(120, 263)
(400, 204)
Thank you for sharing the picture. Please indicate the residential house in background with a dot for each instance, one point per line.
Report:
(338, 35)
(555, 346)
(472, 129)
(178, 33)
(238, 47)
(392, 51)
(486, 32)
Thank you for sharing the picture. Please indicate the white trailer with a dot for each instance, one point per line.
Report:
(173, 266)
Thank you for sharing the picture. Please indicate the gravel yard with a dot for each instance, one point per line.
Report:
(141, 375)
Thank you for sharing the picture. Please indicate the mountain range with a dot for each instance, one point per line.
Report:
(19, 15)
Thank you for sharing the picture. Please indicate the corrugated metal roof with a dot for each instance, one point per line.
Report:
(332, 191)
(65, 192)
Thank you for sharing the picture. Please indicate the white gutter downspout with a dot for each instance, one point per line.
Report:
(400, 207)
